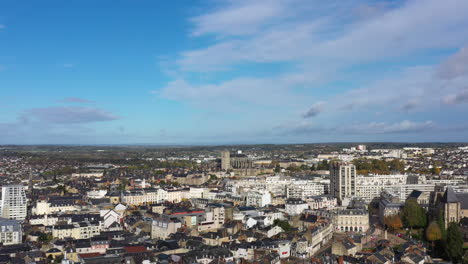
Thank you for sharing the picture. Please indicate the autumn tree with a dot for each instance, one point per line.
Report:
(454, 243)
(433, 232)
(414, 215)
(393, 222)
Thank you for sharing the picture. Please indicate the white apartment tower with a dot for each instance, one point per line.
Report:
(342, 180)
(14, 203)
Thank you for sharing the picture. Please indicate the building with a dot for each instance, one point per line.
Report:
(451, 207)
(258, 199)
(214, 218)
(342, 180)
(10, 232)
(295, 206)
(235, 161)
(82, 230)
(370, 187)
(351, 220)
(162, 228)
(389, 204)
(225, 160)
(14, 202)
(44, 207)
(304, 188)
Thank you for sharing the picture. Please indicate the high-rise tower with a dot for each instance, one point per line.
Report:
(14, 202)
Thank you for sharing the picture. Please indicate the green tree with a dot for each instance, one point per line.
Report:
(454, 243)
(277, 168)
(283, 224)
(414, 215)
(323, 165)
(433, 232)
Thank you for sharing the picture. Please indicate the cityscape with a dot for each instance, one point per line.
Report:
(234, 132)
(305, 203)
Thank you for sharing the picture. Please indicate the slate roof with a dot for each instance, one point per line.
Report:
(463, 198)
(450, 196)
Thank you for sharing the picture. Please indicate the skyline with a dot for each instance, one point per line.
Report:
(222, 72)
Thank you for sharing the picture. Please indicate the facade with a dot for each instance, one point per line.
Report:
(295, 206)
(14, 202)
(258, 199)
(214, 218)
(351, 220)
(370, 187)
(44, 207)
(342, 180)
(10, 232)
(235, 161)
(322, 202)
(303, 189)
(82, 230)
(389, 205)
(451, 207)
(162, 228)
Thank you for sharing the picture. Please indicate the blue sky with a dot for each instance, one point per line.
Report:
(224, 71)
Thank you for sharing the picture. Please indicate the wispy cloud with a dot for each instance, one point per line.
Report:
(372, 128)
(457, 98)
(76, 100)
(68, 115)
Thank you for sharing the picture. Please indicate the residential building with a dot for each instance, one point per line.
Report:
(351, 220)
(11, 231)
(162, 228)
(14, 202)
(342, 180)
(295, 206)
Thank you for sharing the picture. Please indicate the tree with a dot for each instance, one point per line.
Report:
(283, 224)
(433, 232)
(393, 222)
(277, 168)
(454, 243)
(414, 215)
(324, 165)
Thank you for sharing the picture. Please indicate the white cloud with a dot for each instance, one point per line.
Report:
(405, 126)
(455, 66)
(396, 31)
(239, 17)
(457, 98)
(321, 42)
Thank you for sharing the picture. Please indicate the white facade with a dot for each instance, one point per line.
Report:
(258, 199)
(43, 207)
(295, 206)
(351, 220)
(370, 187)
(304, 188)
(14, 202)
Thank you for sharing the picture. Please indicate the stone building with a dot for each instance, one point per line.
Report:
(451, 207)
(238, 160)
